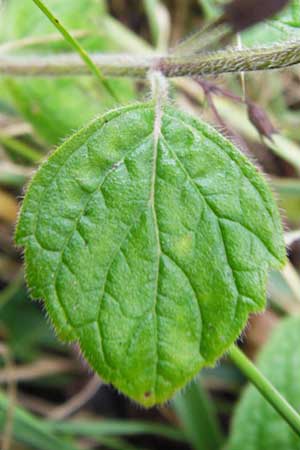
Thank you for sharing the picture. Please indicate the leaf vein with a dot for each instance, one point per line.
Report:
(194, 291)
(76, 222)
(211, 138)
(208, 205)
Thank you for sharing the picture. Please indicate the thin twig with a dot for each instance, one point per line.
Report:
(77, 401)
(208, 86)
(39, 369)
(214, 110)
(230, 133)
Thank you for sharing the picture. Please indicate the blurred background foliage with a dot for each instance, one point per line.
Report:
(49, 399)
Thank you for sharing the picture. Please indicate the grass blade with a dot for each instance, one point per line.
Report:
(31, 431)
(99, 429)
(197, 415)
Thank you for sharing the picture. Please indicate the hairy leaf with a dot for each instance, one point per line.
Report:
(255, 418)
(150, 246)
(56, 107)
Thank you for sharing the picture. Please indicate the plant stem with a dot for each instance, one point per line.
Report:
(77, 47)
(224, 61)
(279, 403)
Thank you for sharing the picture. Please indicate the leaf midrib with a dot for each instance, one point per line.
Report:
(156, 137)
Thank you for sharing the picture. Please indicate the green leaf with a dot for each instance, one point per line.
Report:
(150, 246)
(255, 419)
(56, 107)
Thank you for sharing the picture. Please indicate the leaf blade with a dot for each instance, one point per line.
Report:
(146, 239)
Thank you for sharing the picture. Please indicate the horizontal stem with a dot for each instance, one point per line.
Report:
(279, 403)
(224, 61)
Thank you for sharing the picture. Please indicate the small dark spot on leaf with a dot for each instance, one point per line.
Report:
(147, 394)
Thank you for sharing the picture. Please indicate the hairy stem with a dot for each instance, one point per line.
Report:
(86, 59)
(287, 412)
(224, 61)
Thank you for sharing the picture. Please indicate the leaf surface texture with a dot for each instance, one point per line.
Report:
(151, 252)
